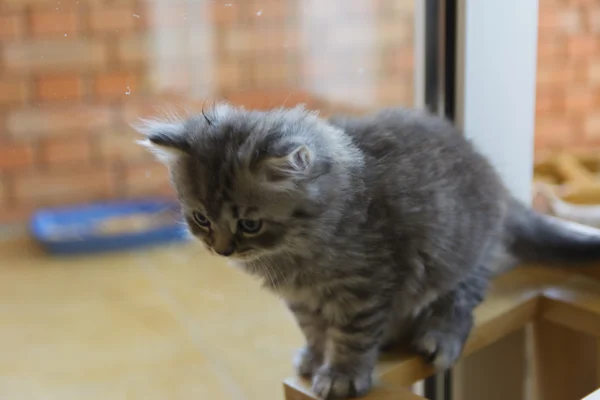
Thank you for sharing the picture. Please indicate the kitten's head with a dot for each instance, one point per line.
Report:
(253, 183)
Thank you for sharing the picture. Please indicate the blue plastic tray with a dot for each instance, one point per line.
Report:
(78, 230)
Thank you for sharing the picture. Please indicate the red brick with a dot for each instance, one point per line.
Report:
(158, 106)
(11, 26)
(268, 11)
(398, 61)
(64, 4)
(570, 21)
(143, 15)
(550, 102)
(16, 155)
(393, 93)
(581, 47)
(592, 126)
(117, 84)
(59, 87)
(577, 72)
(393, 32)
(57, 55)
(293, 40)
(35, 122)
(67, 150)
(553, 132)
(266, 39)
(45, 188)
(552, 75)
(121, 147)
(135, 49)
(149, 179)
(593, 72)
(578, 100)
(5, 192)
(551, 49)
(225, 13)
(3, 130)
(238, 40)
(54, 22)
(596, 95)
(13, 91)
(13, 214)
(136, 109)
(266, 73)
(593, 17)
(583, 3)
(548, 18)
(112, 18)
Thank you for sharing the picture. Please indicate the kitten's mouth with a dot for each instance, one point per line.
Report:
(245, 256)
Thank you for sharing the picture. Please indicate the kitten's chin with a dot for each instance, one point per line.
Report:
(245, 265)
(246, 257)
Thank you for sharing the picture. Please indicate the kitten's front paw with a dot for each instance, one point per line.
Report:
(306, 362)
(441, 350)
(330, 383)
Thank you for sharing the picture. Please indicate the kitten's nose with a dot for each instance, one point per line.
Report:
(225, 252)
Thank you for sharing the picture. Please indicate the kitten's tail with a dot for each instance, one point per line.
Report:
(537, 238)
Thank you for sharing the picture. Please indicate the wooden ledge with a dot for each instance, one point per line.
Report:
(515, 299)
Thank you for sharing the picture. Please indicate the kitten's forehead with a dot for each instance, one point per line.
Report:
(233, 126)
(220, 170)
(237, 194)
(219, 182)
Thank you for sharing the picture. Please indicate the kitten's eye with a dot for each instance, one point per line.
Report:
(250, 225)
(201, 219)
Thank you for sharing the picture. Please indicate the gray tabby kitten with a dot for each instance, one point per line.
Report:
(374, 230)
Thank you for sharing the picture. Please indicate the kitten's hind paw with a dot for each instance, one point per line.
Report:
(330, 383)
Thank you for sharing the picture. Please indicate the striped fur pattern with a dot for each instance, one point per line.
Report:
(376, 231)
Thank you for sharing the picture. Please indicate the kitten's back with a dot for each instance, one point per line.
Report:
(434, 163)
(417, 151)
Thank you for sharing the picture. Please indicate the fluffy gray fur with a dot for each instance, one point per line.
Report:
(376, 230)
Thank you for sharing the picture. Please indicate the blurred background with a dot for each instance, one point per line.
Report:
(73, 74)
(172, 322)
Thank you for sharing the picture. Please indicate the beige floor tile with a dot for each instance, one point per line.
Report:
(224, 306)
(171, 378)
(168, 323)
(73, 280)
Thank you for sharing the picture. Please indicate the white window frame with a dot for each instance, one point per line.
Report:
(495, 107)
(497, 61)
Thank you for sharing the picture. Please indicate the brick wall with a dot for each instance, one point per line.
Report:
(568, 80)
(73, 74)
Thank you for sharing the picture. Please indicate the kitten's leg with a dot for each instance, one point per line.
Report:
(443, 327)
(309, 357)
(351, 350)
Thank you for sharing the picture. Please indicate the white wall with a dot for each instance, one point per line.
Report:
(498, 91)
(496, 108)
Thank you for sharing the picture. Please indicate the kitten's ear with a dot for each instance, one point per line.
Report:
(294, 164)
(165, 139)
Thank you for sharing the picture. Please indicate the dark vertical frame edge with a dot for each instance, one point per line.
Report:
(441, 36)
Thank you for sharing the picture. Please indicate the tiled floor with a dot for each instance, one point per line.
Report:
(170, 323)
